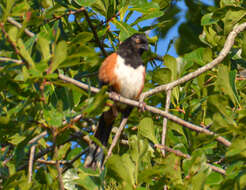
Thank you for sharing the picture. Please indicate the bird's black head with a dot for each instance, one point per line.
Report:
(137, 43)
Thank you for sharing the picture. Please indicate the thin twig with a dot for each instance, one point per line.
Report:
(69, 163)
(95, 33)
(223, 53)
(6, 59)
(70, 12)
(116, 137)
(187, 156)
(176, 152)
(18, 25)
(164, 128)
(30, 164)
(35, 139)
(58, 168)
(51, 162)
(14, 46)
(134, 103)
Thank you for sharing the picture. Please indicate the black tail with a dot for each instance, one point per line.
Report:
(95, 156)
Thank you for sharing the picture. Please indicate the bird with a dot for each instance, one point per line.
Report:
(124, 72)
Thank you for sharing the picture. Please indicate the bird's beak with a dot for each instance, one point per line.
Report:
(144, 47)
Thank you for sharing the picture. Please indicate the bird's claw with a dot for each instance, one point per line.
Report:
(142, 106)
(116, 95)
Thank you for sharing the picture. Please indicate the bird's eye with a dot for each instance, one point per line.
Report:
(138, 41)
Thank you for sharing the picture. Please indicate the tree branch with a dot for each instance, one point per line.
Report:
(6, 59)
(116, 137)
(223, 53)
(14, 46)
(187, 156)
(95, 33)
(18, 25)
(35, 139)
(134, 103)
(70, 12)
(30, 164)
(164, 128)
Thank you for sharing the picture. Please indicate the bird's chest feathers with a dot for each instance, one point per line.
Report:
(130, 79)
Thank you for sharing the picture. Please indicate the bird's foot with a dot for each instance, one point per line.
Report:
(142, 106)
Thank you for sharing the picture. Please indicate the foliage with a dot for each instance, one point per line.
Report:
(34, 100)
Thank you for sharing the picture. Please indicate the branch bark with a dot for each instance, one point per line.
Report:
(18, 25)
(134, 103)
(187, 156)
(116, 137)
(223, 53)
(30, 164)
(164, 128)
(6, 59)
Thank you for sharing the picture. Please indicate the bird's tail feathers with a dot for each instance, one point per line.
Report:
(95, 156)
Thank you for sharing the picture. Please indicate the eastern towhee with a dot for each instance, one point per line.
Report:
(124, 72)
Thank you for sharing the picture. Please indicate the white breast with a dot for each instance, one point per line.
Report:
(130, 79)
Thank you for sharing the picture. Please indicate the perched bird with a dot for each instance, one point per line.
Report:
(124, 72)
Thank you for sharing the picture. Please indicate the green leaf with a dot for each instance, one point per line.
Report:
(60, 55)
(29, 44)
(16, 139)
(74, 152)
(153, 14)
(25, 53)
(44, 46)
(62, 151)
(232, 77)
(76, 97)
(161, 75)
(200, 56)
(53, 117)
(146, 129)
(20, 8)
(82, 37)
(101, 6)
(85, 2)
(85, 181)
(125, 29)
(69, 179)
(238, 147)
(220, 103)
(208, 19)
(4, 120)
(231, 18)
(13, 33)
(172, 65)
(226, 83)
(96, 104)
(144, 6)
(214, 179)
(172, 168)
(124, 171)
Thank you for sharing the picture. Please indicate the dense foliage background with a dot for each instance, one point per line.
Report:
(35, 101)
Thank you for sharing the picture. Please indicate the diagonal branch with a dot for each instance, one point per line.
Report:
(187, 156)
(116, 137)
(18, 25)
(134, 103)
(67, 13)
(94, 33)
(13, 44)
(6, 59)
(223, 53)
